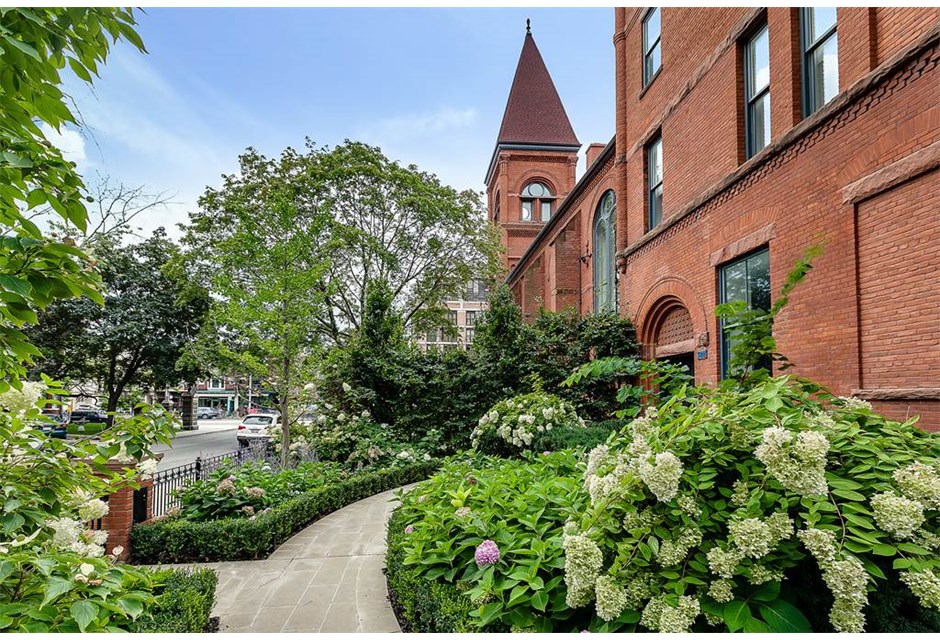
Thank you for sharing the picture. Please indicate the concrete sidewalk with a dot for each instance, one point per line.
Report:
(327, 578)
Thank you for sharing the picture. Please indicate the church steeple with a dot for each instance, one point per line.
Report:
(534, 112)
(533, 164)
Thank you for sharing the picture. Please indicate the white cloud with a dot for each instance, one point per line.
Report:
(437, 124)
(68, 141)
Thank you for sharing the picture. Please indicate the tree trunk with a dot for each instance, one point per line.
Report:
(285, 420)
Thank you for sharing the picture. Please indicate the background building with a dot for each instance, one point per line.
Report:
(464, 314)
(742, 137)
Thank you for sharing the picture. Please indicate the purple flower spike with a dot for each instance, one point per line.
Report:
(486, 554)
(409, 528)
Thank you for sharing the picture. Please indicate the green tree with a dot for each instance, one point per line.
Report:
(35, 45)
(261, 245)
(139, 334)
(400, 225)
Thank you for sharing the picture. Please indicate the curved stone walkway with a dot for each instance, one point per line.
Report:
(326, 578)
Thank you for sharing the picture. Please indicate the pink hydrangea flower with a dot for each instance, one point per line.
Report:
(409, 528)
(487, 553)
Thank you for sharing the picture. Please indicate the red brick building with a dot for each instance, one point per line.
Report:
(743, 136)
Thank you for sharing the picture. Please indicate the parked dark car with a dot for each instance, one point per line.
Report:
(52, 428)
(84, 416)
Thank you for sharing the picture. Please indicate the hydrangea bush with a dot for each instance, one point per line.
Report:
(251, 489)
(520, 423)
(729, 509)
(54, 574)
(491, 528)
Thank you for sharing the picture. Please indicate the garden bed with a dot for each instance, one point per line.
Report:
(177, 540)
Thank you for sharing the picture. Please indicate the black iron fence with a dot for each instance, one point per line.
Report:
(167, 482)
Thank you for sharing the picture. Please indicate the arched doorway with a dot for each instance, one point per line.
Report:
(669, 333)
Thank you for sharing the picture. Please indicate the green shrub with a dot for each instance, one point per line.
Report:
(519, 424)
(247, 490)
(578, 438)
(776, 508)
(184, 601)
(87, 429)
(176, 540)
(521, 506)
(420, 604)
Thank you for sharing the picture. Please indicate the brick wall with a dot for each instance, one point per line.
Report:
(845, 325)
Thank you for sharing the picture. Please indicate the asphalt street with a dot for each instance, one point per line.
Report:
(213, 437)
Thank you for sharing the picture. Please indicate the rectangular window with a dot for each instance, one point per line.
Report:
(471, 318)
(820, 57)
(652, 57)
(527, 210)
(216, 383)
(757, 92)
(654, 171)
(746, 279)
(470, 335)
(546, 210)
(453, 318)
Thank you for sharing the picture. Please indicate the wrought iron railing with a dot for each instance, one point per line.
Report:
(166, 483)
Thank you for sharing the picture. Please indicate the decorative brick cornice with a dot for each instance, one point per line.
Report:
(916, 61)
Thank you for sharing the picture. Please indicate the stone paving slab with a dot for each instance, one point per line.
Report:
(326, 578)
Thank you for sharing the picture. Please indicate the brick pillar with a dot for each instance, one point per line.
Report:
(120, 516)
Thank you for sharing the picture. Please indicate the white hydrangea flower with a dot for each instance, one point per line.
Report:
(661, 476)
(611, 599)
(920, 482)
(752, 536)
(723, 562)
(722, 590)
(798, 465)
(855, 404)
(147, 468)
(20, 401)
(897, 515)
(925, 585)
(583, 561)
(659, 615)
(93, 510)
(347, 387)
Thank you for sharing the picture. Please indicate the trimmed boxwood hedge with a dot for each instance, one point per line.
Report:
(178, 541)
(422, 605)
(184, 602)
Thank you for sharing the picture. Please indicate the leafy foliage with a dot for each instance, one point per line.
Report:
(35, 45)
(748, 509)
(520, 423)
(261, 245)
(401, 387)
(140, 333)
(176, 540)
(183, 602)
(522, 506)
(53, 573)
(251, 489)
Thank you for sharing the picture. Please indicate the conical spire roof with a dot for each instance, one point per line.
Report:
(534, 113)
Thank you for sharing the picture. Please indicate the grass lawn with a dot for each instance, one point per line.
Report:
(85, 429)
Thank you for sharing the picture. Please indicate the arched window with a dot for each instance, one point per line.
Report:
(605, 245)
(537, 200)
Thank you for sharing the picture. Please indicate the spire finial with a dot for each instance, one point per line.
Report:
(528, 27)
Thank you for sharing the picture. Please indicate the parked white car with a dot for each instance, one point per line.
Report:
(257, 427)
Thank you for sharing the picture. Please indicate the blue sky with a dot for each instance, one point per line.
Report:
(426, 85)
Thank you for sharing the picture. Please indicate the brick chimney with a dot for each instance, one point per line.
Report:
(594, 149)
